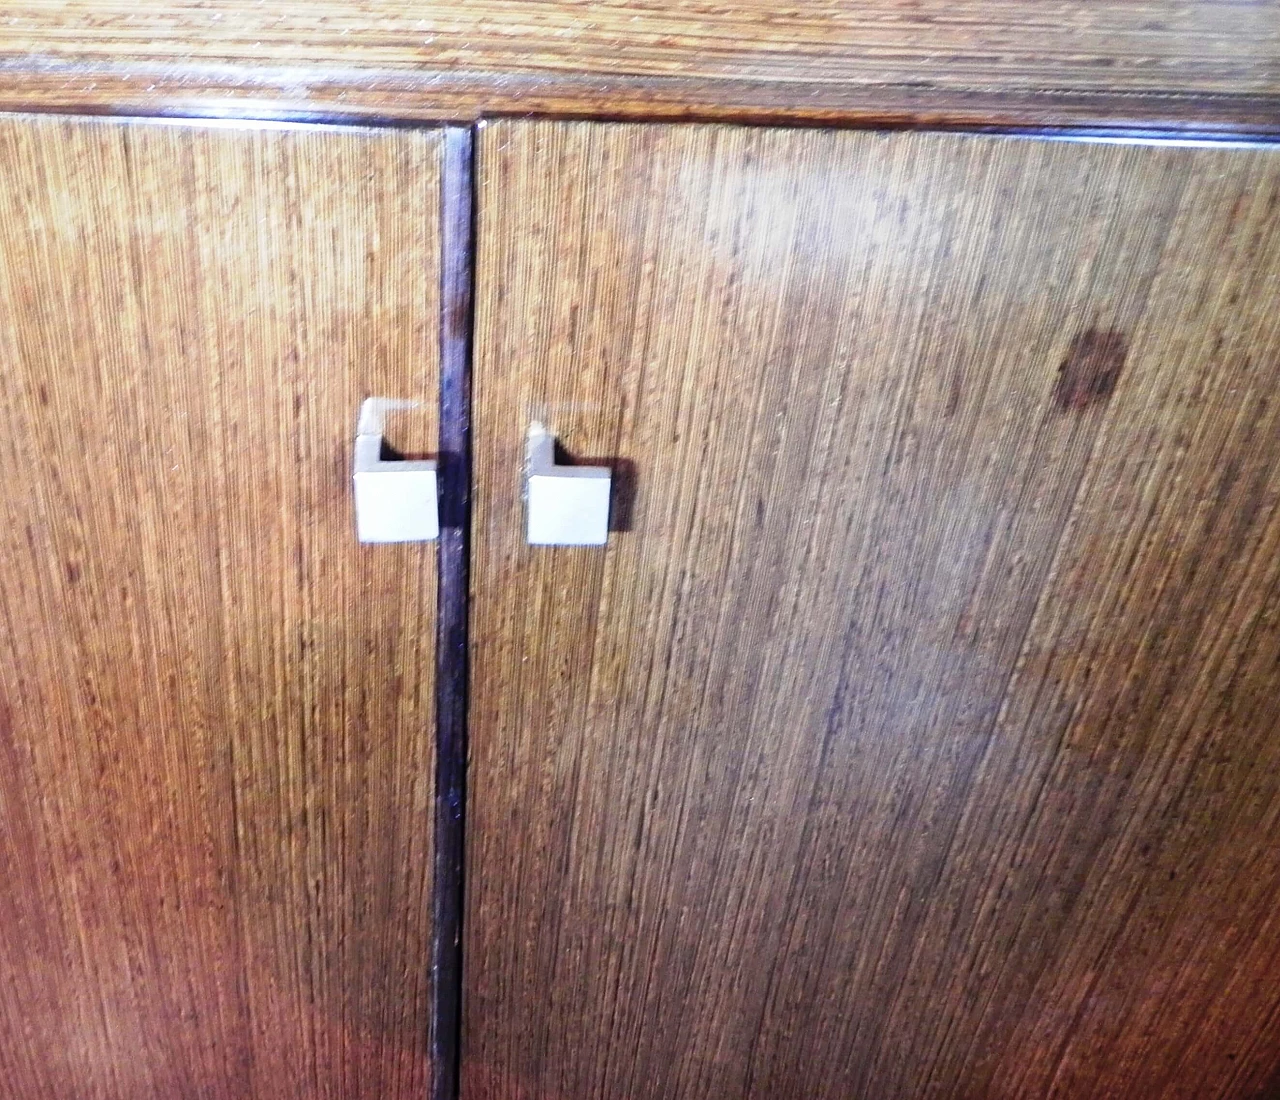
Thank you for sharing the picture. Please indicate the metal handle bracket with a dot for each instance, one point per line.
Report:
(396, 499)
(565, 505)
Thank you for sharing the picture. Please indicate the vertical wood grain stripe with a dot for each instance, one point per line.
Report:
(456, 239)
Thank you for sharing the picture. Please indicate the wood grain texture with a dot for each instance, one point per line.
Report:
(917, 737)
(263, 92)
(1231, 46)
(1156, 61)
(217, 720)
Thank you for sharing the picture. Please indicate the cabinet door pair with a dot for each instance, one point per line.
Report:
(913, 733)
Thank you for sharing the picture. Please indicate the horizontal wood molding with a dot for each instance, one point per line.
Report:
(1194, 66)
(1206, 46)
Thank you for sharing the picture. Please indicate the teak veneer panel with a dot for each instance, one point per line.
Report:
(1209, 63)
(216, 719)
(916, 735)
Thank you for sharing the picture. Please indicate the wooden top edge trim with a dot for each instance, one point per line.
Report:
(205, 90)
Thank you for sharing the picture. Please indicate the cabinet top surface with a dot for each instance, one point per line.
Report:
(1119, 62)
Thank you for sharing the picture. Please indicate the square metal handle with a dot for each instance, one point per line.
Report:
(565, 505)
(396, 500)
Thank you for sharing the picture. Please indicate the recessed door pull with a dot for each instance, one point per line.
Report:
(395, 498)
(565, 505)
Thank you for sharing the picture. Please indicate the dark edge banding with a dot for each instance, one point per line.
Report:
(250, 92)
(457, 263)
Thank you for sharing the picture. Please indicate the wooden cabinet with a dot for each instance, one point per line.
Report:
(215, 710)
(914, 733)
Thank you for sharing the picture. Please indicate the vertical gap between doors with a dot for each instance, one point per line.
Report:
(457, 276)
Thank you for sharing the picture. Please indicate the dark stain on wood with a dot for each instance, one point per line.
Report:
(1091, 369)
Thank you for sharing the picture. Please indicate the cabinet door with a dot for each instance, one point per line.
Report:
(914, 734)
(215, 708)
